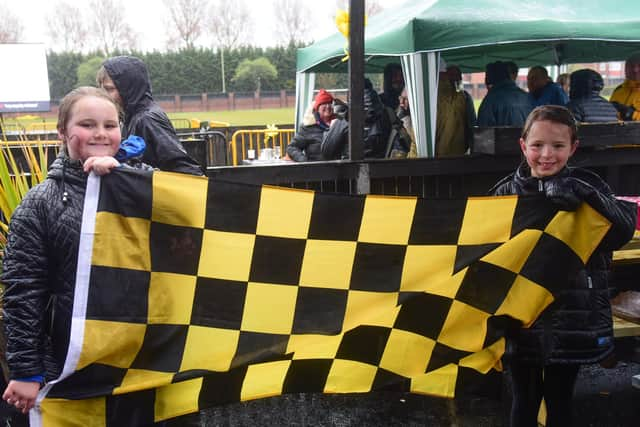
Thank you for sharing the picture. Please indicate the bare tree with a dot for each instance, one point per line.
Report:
(293, 21)
(10, 26)
(112, 32)
(187, 17)
(372, 7)
(230, 23)
(66, 27)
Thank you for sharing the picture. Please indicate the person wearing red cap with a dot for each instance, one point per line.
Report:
(305, 145)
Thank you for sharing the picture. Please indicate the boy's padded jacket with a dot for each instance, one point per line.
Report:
(577, 326)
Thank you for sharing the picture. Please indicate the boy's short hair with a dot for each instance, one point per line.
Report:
(551, 113)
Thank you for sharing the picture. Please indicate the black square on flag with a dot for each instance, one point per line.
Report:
(175, 249)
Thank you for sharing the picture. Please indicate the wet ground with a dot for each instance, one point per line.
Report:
(603, 398)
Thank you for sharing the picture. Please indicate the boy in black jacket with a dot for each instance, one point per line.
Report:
(577, 327)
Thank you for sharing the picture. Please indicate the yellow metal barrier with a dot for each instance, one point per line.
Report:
(29, 142)
(13, 129)
(243, 140)
(42, 127)
(181, 123)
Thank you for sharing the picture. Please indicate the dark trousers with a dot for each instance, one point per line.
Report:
(531, 383)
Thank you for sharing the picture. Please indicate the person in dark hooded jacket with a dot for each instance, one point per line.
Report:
(586, 104)
(576, 328)
(392, 85)
(41, 254)
(126, 79)
(383, 131)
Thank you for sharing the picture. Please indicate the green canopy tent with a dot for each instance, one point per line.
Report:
(472, 34)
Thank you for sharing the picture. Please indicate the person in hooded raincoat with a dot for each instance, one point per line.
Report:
(126, 79)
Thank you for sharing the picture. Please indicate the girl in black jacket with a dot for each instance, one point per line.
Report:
(41, 255)
(577, 327)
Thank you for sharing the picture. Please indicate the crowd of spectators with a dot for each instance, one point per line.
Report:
(389, 125)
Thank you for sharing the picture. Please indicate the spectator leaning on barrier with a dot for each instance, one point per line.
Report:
(126, 79)
(626, 97)
(306, 143)
(586, 104)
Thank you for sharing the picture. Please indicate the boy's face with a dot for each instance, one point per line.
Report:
(112, 90)
(547, 148)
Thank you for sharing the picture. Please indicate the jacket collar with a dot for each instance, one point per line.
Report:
(525, 181)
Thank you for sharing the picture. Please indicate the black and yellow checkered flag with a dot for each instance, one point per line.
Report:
(192, 293)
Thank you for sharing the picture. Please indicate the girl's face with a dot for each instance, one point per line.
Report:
(92, 129)
(547, 148)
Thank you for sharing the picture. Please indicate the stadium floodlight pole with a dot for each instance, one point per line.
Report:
(356, 79)
(224, 86)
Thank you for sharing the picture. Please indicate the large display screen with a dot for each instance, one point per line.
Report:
(24, 81)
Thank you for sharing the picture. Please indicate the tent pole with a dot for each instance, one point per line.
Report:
(356, 79)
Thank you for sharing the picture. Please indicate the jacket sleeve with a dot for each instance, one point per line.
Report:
(335, 140)
(25, 276)
(164, 149)
(296, 148)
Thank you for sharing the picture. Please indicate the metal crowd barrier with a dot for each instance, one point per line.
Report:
(181, 123)
(257, 139)
(24, 152)
(40, 128)
(209, 148)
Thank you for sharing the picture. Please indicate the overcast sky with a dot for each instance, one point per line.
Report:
(148, 18)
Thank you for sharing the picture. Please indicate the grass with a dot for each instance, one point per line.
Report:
(234, 118)
(243, 117)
